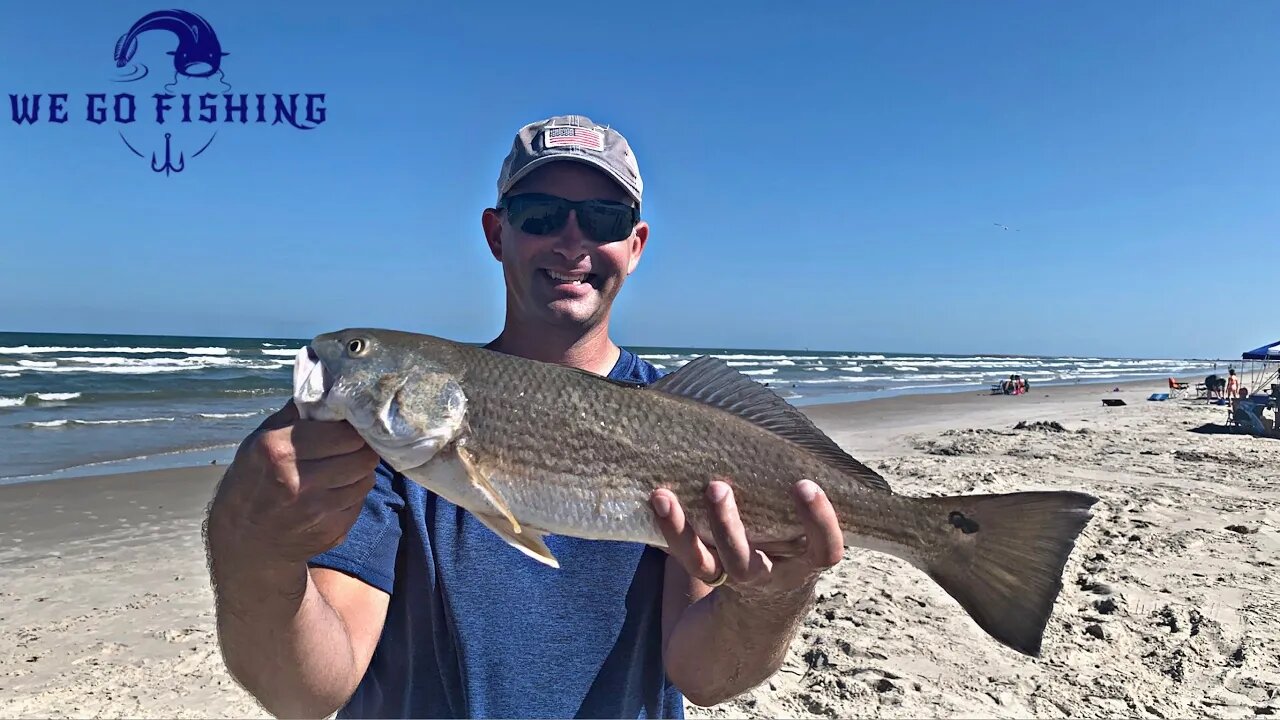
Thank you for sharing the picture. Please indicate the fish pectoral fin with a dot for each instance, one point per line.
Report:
(485, 488)
(528, 542)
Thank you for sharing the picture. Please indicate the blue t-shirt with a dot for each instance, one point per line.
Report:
(476, 629)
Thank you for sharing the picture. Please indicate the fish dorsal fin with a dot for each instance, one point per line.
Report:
(710, 381)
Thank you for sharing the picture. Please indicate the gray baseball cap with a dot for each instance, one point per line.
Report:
(571, 137)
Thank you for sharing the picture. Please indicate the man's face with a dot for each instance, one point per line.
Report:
(541, 270)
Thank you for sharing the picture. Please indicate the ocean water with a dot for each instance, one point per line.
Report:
(85, 404)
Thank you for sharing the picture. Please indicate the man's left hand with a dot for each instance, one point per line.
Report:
(753, 570)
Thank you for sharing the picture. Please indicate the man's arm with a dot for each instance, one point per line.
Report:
(298, 639)
(720, 642)
(725, 643)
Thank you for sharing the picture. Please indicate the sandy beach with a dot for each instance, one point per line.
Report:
(1171, 603)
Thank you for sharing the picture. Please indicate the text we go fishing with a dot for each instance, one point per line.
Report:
(123, 108)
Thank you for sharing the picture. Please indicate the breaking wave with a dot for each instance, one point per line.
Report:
(37, 398)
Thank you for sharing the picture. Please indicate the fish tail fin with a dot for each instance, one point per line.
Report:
(1002, 558)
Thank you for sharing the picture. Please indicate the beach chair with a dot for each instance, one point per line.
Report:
(1176, 388)
(1248, 416)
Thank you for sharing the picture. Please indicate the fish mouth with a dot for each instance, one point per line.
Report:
(311, 383)
(198, 69)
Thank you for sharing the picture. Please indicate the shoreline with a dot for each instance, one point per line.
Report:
(224, 453)
(173, 460)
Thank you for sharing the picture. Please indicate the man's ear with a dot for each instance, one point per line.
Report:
(638, 240)
(491, 221)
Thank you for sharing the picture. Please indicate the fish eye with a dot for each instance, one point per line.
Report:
(357, 346)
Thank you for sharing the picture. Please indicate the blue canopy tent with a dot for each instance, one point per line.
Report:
(1264, 362)
(1264, 372)
(1266, 353)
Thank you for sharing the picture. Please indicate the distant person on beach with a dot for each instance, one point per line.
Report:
(1233, 382)
(1015, 385)
(1215, 386)
(342, 586)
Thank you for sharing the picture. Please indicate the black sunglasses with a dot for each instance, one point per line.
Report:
(602, 221)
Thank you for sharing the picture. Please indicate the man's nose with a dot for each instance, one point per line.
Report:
(570, 241)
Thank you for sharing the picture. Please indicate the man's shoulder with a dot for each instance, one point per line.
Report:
(633, 368)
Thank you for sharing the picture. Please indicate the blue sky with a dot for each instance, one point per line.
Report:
(818, 175)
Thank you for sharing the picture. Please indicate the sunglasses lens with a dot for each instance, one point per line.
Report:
(607, 223)
(537, 216)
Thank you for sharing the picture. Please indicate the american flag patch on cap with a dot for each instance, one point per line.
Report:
(586, 138)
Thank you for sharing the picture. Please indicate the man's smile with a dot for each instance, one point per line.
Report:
(572, 279)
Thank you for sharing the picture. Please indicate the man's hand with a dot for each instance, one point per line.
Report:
(723, 640)
(753, 571)
(293, 491)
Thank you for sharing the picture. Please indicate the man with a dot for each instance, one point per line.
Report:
(339, 585)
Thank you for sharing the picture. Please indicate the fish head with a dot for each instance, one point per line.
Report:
(399, 396)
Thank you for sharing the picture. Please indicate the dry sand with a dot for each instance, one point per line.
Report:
(1171, 604)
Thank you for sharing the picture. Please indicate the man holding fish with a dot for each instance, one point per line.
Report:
(343, 585)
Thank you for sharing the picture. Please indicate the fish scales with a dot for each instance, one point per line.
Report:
(602, 440)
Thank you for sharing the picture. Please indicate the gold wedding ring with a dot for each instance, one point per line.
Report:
(724, 575)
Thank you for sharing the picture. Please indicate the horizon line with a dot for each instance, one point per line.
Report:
(634, 346)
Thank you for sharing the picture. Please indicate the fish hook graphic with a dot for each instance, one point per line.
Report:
(168, 164)
(168, 154)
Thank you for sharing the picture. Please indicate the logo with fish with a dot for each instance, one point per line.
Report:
(175, 117)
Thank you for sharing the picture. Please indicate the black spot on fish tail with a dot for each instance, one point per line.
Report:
(959, 520)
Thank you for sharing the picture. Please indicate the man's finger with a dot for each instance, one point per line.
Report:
(337, 472)
(736, 554)
(682, 541)
(322, 503)
(315, 439)
(822, 526)
(353, 492)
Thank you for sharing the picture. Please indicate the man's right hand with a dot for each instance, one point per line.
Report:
(293, 491)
